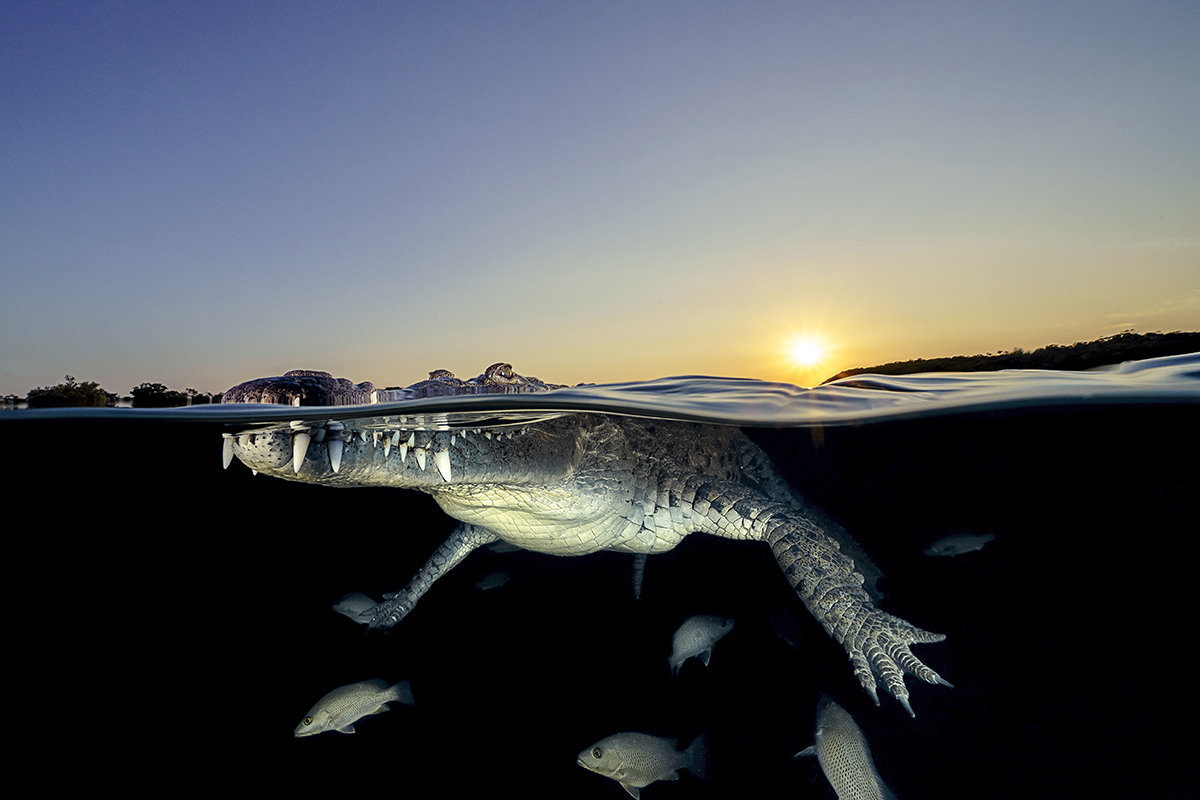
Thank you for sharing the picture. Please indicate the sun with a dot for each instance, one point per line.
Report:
(807, 353)
(807, 356)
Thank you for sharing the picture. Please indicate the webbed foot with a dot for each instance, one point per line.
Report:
(395, 607)
(878, 648)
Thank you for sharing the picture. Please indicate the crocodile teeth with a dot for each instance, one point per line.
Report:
(442, 460)
(419, 452)
(295, 401)
(226, 450)
(403, 451)
(387, 445)
(412, 439)
(374, 396)
(299, 448)
(335, 453)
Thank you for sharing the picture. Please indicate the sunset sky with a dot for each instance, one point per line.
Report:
(201, 193)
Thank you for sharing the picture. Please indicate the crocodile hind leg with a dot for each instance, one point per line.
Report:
(823, 577)
(458, 545)
(876, 642)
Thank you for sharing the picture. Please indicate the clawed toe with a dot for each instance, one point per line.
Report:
(882, 656)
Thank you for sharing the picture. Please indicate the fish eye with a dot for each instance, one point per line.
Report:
(308, 720)
(596, 752)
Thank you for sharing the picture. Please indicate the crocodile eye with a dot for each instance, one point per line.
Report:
(596, 752)
(308, 720)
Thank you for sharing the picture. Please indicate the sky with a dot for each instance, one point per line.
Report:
(199, 194)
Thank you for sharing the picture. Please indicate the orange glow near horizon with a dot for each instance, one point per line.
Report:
(808, 357)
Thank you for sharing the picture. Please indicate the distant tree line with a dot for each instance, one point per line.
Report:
(1124, 346)
(73, 394)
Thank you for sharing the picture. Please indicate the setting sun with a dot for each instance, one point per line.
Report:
(807, 352)
(807, 357)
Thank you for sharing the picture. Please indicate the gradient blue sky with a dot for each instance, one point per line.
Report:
(200, 193)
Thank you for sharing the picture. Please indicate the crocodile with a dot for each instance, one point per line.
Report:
(576, 483)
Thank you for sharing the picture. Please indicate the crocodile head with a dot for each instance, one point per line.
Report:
(428, 452)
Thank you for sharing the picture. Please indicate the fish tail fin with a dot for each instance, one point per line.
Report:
(402, 693)
(696, 757)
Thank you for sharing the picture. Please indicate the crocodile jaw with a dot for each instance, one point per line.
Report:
(336, 454)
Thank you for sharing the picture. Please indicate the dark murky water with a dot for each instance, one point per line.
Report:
(181, 613)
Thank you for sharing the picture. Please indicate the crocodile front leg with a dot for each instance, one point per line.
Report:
(458, 545)
(823, 577)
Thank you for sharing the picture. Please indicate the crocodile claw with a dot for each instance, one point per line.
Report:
(386, 614)
(879, 652)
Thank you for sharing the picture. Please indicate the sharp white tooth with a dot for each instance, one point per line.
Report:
(488, 434)
(362, 435)
(396, 438)
(412, 439)
(452, 440)
(374, 396)
(509, 434)
(403, 450)
(299, 448)
(442, 460)
(419, 452)
(253, 472)
(387, 445)
(335, 453)
(295, 401)
(464, 433)
(226, 450)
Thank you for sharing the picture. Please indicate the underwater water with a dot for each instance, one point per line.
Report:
(182, 612)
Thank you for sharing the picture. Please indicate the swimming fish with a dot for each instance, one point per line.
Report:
(353, 604)
(494, 578)
(341, 708)
(695, 638)
(845, 756)
(959, 543)
(635, 760)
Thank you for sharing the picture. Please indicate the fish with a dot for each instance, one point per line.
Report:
(636, 760)
(959, 543)
(845, 756)
(695, 639)
(341, 708)
(494, 578)
(353, 604)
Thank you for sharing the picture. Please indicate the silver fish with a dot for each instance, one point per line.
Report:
(695, 638)
(494, 578)
(845, 756)
(635, 760)
(341, 708)
(959, 543)
(354, 604)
